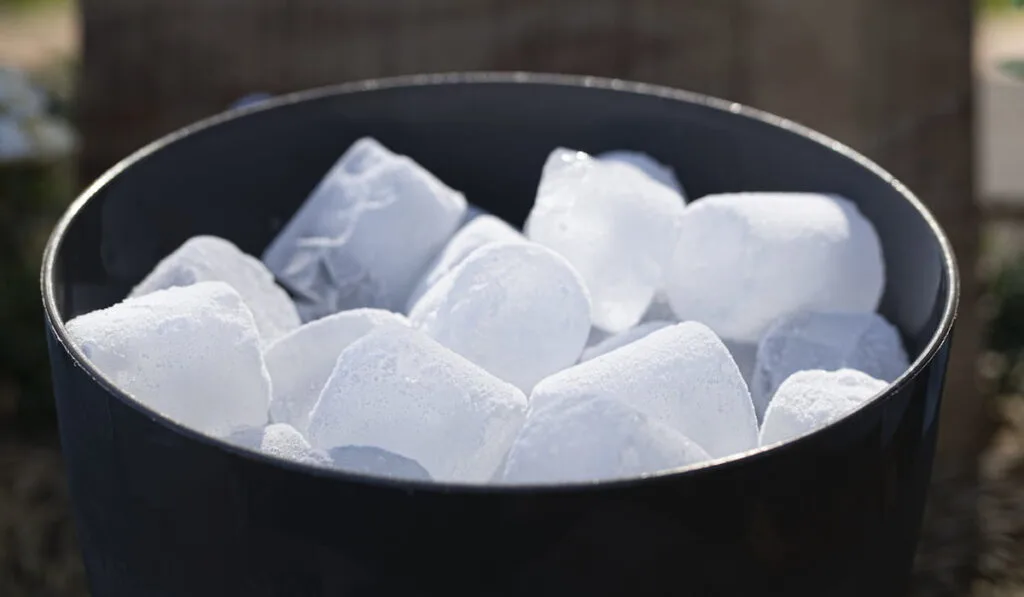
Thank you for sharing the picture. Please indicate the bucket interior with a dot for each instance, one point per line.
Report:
(243, 177)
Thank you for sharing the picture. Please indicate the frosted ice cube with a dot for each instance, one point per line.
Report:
(191, 353)
(587, 438)
(623, 338)
(282, 441)
(398, 390)
(211, 258)
(682, 376)
(746, 259)
(518, 310)
(482, 230)
(374, 461)
(829, 341)
(809, 400)
(365, 234)
(300, 362)
(648, 165)
(615, 225)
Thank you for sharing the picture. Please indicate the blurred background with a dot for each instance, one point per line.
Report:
(931, 89)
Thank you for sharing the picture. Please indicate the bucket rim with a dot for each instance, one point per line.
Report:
(56, 325)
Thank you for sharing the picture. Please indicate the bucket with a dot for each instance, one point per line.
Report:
(163, 511)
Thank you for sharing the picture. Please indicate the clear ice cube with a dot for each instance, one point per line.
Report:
(190, 353)
(518, 310)
(681, 376)
(744, 260)
(211, 258)
(614, 224)
(398, 390)
(365, 234)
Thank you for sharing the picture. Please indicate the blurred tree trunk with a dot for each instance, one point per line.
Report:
(889, 78)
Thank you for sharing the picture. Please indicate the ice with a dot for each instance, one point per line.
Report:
(398, 390)
(587, 438)
(282, 441)
(191, 353)
(681, 376)
(746, 259)
(809, 400)
(648, 165)
(300, 363)
(615, 225)
(518, 310)
(623, 338)
(480, 231)
(830, 341)
(209, 259)
(365, 234)
(377, 462)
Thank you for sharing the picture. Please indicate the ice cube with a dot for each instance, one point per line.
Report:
(518, 310)
(211, 258)
(365, 234)
(191, 353)
(398, 390)
(682, 376)
(377, 462)
(830, 341)
(746, 259)
(623, 338)
(648, 165)
(280, 440)
(809, 400)
(586, 438)
(482, 230)
(300, 362)
(615, 225)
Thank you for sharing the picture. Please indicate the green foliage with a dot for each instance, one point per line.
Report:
(32, 196)
(1006, 330)
(33, 193)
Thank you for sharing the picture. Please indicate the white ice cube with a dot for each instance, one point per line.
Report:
(623, 338)
(590, 439)
(746, 259)
(191, 353)
(829, 341)
(282, 441)
(399, 390)
(365, 234)
(300, 362)
(211, 258)
(614, 224)
(648, 165)
(518, 310)
(809, 400)
(482, 230)
(682, 376)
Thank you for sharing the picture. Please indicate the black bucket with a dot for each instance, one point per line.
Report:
(164, 511)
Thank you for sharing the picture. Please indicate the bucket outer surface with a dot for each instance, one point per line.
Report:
(165, 512)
